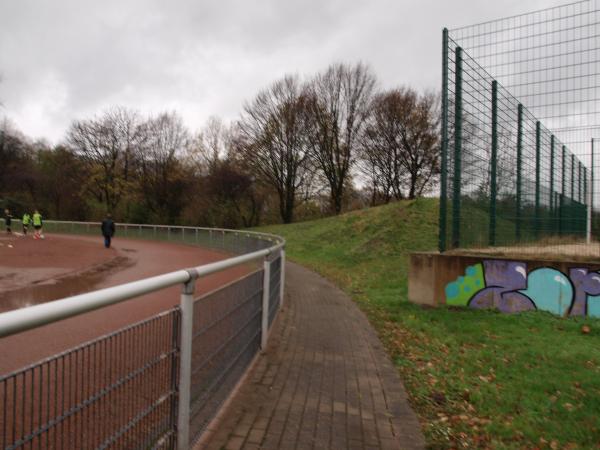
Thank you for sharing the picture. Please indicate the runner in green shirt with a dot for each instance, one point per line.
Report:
(26, 221)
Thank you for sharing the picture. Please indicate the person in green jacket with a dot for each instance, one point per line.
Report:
(26, 221)
(37, 225)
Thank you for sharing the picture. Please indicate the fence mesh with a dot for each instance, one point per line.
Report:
(121, 390)
(230, 241)
(274, 289)
(227, 330)
(520, 112)
(118, 391)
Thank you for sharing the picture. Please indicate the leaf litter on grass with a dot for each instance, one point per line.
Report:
(477, 379)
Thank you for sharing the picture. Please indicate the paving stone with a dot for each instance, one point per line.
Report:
(256, 435)
(234, 443)
(324, 382)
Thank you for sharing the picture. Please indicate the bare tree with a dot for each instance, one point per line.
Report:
(273, 140)
(234, 197)
(106, 145)
(16, 172)
(380, 156)
(401, 145)
(210, 146)
(60, 195)
(339, 106)
(161, 174)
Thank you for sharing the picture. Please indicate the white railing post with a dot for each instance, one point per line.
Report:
(265, 304)
(185, 364)
(282, 277)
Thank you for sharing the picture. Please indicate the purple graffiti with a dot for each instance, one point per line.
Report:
(509, 287)
(585, 283)
(503, 280)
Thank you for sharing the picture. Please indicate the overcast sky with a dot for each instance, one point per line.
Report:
(63, 60)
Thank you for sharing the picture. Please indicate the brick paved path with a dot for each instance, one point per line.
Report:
(324, 381)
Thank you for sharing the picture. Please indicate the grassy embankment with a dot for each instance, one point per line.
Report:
(477, 379)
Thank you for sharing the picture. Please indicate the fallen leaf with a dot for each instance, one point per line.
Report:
(438, 397)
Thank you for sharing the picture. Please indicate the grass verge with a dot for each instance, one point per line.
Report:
(477, 379)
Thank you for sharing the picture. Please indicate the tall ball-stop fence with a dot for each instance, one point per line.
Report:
(156, 383)
(520, 113)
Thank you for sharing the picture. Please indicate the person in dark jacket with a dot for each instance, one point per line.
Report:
(108, 230)
(8, 220)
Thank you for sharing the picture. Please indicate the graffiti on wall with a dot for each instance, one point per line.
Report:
(509, 287)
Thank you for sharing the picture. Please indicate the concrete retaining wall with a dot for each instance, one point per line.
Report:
(510, 285)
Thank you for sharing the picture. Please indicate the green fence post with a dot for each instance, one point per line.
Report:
(572, 177)
(551, 212)
(573, 212)
(536, 230)
(579, 190)
(493, 187)
(444, 165)
(519, 164)
(585, 199)
(592, 182)
(562, 190)
(572, 200)
(457, 150)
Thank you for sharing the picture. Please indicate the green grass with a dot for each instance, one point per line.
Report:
(477, 379)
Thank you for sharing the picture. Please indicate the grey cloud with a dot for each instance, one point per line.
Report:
(66, 59)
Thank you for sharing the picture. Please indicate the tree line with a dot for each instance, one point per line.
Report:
(300, 149)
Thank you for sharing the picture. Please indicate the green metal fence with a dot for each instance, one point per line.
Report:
(507, 178)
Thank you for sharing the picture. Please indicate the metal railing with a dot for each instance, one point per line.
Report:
(233, 241)
(157, 383)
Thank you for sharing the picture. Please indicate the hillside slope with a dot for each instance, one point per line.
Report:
(365, 250)
(477, 379)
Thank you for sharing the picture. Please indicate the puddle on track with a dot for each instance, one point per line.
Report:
(60, 287)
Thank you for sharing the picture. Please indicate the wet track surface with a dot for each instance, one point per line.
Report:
(34, 272)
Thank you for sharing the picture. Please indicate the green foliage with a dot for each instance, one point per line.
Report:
(477, 379)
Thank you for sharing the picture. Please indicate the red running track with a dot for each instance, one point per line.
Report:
(39, 271)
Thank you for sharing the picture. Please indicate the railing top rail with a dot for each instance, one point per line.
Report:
(260, 235)
(19, 320)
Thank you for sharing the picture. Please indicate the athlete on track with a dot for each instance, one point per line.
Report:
(37, 225)
(8, 220)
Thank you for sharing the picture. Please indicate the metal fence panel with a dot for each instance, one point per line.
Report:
(226, 337)
(274, 289)
(518, 117)
(126, 390)
(117, 391)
